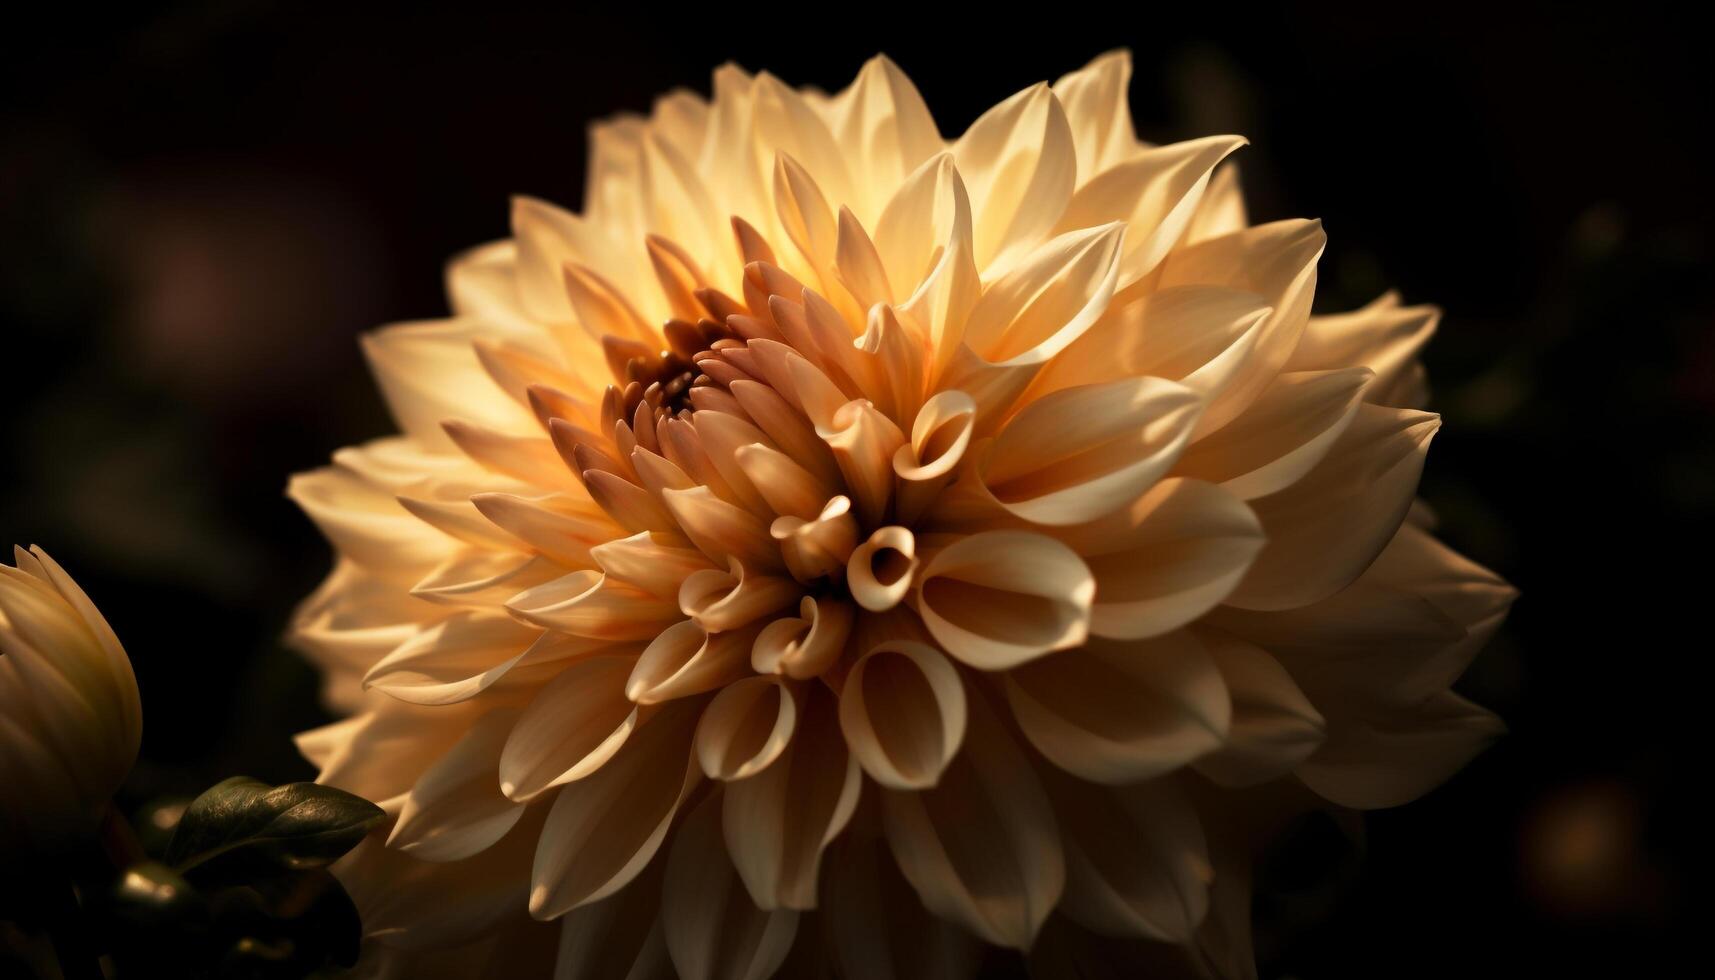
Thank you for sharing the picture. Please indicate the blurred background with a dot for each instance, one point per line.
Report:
(203, 204)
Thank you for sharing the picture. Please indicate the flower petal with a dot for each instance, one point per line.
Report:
(456, 809)
(1274, 726)
(1288, 430)
(1020, 163)
(877, 928)
(1371, 763)
(997, 599)
(572, 728)
(902, 709)
(712, 929)
(746, 727)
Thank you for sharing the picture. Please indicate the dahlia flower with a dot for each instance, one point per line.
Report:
(841, 543)
(70, 718)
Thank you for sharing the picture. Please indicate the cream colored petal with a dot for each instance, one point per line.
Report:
(1166, 559)
(942, 304)
(1118, 713)
(678, 205)
(982, 848)
(785, 123)
(1222, 210)
(804, 212)
(651, 562)
(722, 530)
(1000, 598)
(746, 727)
(561, 527)
(940, 434)
(817, 547)
(1383, 336)
(804, 646)
(484, 579)
(790, 489)
(1199, 336)
(787, 427)
(1082, 453)
(453, 660)
(1274, 726)
(1098, 108)
(717, 600)
(1049, 299)
(1277, 262)
(778, 822)
(1371, 763)
(877, 929)
(684, 660)
(864, 441)
(902, 709)
(1020, 163)
(1155, 192)
(1325, 529)
(617, 937)
(575, 725)
(1288, 430)
(878, 574)
(929, 210)
(482, 286)
(381, 757)
(886, 132)
(1137, 863)
(547, 238)
(712, 929)
(603, 830)
(859, 265)
(456, 809)
(429, 372)
(367, 525)
(590, 604)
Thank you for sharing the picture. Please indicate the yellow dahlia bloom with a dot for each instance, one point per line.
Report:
(70, 718)
(936, 535)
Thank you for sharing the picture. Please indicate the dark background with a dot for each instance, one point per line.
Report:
(202, 205)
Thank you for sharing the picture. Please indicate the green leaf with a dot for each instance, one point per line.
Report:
(250, 828)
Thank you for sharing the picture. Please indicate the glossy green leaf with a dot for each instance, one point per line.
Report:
(248, 827)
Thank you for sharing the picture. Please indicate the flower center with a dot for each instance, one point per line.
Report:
(664, 378)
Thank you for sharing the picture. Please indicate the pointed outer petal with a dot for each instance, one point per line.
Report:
(605, 828)
(650, 562)
(1118, 713)
(1324, 530)
(1097, 104)
(864, 441)
(1199, 336)
(981, 848)
(459, 518)
(902, 710)
(1166, 559)
(456, 808)
(713, 929)
(859, 265)
(658, 473)
(804, 213)
(1383, 336)
(1049, 299)
(381, 755)
(429, 372)
(678, 276)
(876, 927)
(1277, 262)
(929, 211)
(516, 369)
(1020, 163)
(1155, 193)
(531, 459)
(631, 507)
(1222, 210)
(887, 131)
(939, 437)
(746, 727)
(789, 489)
(786, 124)
(1288, 430)
(787, 427)
(482, 286)
(1478, 599)
(547, 238)
(484, 579)
(452, 660)
(1274, 726)
(402, 900)
(804, 646)
(813, 390)
(778, 822)
(685, 660)
(602, 310)
(813, 549)
(1369, 764)
(878, 574)
(1137, 863)
(560, 527)
(588, 603)
(571, 729)
(398, 463)
(367, 525)
(677, 205)
(718, 601)
(722, 530)
(123, 713)
(896, 357)
(1082, 453)
(617, 937)
(1001, 598)
(723, 436)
